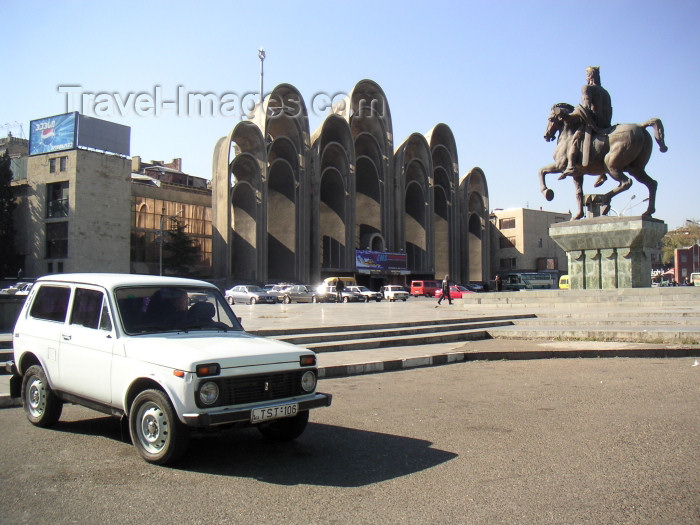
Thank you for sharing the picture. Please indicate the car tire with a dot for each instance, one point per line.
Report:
(346, 299)
(287, 299)
(229, 299)
(285, 429)
(366, 299)
(404, 300)
(252, 300)
(156, 432)
(314, 299)
(42, 406)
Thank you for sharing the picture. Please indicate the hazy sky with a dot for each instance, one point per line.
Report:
(489, 70)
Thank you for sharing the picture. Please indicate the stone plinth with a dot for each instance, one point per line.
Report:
(609, 252)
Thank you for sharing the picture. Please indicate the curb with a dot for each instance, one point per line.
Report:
(396, 365)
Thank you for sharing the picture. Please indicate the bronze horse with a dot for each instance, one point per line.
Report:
(622, 148)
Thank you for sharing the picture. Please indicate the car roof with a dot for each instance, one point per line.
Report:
(111, 281)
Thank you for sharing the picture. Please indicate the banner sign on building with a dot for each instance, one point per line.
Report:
(50, 134)
(368, 261)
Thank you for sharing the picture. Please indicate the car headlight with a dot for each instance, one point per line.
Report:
(308, 381)
(209, 393)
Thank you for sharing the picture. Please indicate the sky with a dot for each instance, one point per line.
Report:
(489, 70)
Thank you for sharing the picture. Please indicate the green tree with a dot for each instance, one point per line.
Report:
(683, 237)
(8, 203)
(180, 251)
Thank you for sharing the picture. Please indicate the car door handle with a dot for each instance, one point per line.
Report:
(65, 337)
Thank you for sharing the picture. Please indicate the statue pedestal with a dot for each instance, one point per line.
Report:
(609, 252)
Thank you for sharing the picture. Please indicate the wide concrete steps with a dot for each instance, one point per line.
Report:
(358, 337)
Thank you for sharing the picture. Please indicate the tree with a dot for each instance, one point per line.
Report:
(8, 203)
(180, 251)
(683, 237)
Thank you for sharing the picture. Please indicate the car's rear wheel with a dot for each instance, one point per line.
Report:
(157, 433)
(314, 299)
(41, 404)
(285, 429)
(230, 300)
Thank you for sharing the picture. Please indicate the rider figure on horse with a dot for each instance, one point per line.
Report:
(595, 101)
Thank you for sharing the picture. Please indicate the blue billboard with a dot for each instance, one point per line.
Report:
(50, 134)
(367, 261)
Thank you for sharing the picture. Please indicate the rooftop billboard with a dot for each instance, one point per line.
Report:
(50, 134)
(73, 130)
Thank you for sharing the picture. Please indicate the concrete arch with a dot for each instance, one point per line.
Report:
(443, 150)
(414, 204)
(474, 200)
(239, 158)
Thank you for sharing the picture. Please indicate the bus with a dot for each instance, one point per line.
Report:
(528, 281)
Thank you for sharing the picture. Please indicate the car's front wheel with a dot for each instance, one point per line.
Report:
(287, 299)
(41, 404)
(346, 299)
(285, 429)
(157, 433)
(253, 300)
(314, 299)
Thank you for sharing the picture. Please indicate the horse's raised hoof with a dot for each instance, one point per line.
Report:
(600, 180)
(549, 194)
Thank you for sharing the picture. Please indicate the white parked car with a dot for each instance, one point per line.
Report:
(166, 354)
(366, 293)
(393, 292)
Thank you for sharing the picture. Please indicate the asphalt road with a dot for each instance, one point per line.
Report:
(555, 441)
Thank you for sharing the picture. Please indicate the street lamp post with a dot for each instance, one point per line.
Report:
(261, 56)
(160, 238)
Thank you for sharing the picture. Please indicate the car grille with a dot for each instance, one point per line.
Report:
(265, 387)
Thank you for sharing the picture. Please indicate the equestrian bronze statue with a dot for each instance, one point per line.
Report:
(588, 145)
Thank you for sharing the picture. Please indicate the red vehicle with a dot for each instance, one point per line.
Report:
(456, 291)
(426, 288)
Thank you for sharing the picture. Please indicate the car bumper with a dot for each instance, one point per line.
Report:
(228, 416)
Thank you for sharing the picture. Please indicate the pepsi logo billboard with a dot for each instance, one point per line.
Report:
(50, 134)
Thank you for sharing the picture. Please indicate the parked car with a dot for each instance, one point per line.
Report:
(474, 287)
(367, 294)
(426, 288)
(300, 293)
(137, 347)
(277, 290)
(456, 291)
(21, 288)
(327, 294)
(564, 282)
(393, 292)
(249, 294)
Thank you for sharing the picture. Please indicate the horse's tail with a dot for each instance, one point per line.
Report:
(658, 132)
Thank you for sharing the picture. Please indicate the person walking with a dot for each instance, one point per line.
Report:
(445, 291)
(339, 286)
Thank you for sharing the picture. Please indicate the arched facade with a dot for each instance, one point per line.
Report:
(476, 241)
(291, 206)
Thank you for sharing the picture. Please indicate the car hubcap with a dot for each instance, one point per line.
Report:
(36, 397)
(153, 428)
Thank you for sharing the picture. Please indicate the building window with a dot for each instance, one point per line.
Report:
(52, 165)
(57, 200)
(507, 242)
(57, 240)
(508, 263)
(506, 224)
(547, 263)
(62, 163)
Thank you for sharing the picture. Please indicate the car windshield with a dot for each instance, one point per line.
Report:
(152, 309)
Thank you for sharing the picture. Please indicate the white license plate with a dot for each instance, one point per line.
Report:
(275, 412)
